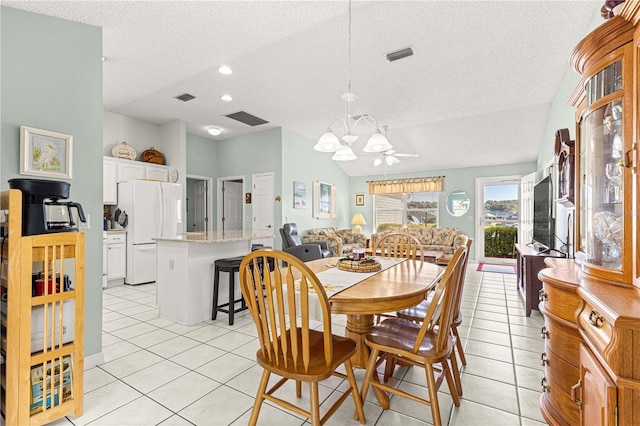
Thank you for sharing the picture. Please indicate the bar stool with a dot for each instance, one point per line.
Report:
(231, 266)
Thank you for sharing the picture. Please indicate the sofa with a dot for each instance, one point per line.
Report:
(340, 242)
(445, 240)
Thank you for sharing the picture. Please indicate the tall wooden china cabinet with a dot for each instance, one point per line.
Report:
(591, 303)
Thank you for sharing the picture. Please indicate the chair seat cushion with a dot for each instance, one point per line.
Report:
(400, 335)
(343, 349)
(418, 312)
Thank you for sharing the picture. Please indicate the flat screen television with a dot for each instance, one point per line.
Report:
(543, 225)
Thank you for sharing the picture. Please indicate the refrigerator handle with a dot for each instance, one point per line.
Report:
(160, 212)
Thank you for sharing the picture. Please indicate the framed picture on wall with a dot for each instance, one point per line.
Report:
(324, 200)
(45, 153)
(359, 200)
(299, 195)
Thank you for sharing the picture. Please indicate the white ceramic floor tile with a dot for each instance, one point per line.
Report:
(176, 420)
(118, 350)
(231, 341)
(95, 378)
(489, 392)
(129, 364)
(198, 356)
(155, 376)
(118, 324)
(472, 414)
(154, 337)
(206, 333)
(173, 346)
(225, 367)
(183, 391)
(134, 330)
(104, 400)
(223, 404)
(142, 411)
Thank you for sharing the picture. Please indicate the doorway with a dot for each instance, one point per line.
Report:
(230, 204)
(498, 211)
(199, 203)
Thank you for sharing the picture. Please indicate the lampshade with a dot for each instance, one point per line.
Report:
(358, 219)
(377, 143)
(345, 154)
(328, 142)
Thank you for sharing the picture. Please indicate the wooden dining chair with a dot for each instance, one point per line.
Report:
(417, 313)
(279, 300)
(398, 244)
(428, 344)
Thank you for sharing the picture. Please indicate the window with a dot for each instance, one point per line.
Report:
(417, 209)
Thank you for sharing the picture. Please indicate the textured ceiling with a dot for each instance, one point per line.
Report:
(482, 78)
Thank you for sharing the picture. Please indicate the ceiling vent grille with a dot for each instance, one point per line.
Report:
(246, 118)
(399, 54)
(185, 97)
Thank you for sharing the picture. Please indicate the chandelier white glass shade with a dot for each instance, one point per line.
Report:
(329, 141)
(389, 160)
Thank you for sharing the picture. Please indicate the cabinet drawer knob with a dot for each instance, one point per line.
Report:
(595, 319)
(542, 295)
(544, 333)
(543, 359)
(544, 385)
(574, 391)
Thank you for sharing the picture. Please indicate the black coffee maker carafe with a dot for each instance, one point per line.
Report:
(42, 212)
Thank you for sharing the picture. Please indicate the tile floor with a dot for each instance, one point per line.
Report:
(161, 372)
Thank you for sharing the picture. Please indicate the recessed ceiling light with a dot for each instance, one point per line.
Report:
(225, 70)
(214, 131)
(226, 98)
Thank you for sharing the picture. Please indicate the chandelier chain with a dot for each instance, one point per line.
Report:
(349, 46)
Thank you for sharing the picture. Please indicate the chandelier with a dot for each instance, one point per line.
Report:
(329, 141)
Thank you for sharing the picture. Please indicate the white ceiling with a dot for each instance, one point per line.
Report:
(477, 91)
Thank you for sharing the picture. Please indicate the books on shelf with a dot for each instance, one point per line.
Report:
(47, 381)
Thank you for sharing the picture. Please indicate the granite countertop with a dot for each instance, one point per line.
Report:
(213, 237)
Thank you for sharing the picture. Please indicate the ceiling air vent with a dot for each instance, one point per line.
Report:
(399, 54)
(185, 97)
(246, 118)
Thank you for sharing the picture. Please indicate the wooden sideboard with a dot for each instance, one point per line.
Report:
(529, 262)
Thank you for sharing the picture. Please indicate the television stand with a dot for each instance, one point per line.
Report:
(530, 261)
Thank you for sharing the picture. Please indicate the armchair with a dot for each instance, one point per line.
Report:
(291, 243)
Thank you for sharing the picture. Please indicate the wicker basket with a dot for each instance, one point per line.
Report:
(369, 265)
(152, 156)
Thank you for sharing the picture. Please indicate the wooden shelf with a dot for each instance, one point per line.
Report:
(56, 254)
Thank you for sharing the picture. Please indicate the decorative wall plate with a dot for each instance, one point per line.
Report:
(173, 175)
(124, 151)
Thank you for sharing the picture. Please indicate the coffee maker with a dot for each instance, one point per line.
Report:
(42, 212)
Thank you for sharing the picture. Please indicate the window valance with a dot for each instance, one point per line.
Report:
(398, 186)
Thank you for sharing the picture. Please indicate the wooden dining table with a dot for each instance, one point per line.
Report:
(399, 287)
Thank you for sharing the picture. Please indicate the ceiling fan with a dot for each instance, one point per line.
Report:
(390, 157)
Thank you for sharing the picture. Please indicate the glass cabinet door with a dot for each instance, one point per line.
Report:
(603, 177)
(602, 186)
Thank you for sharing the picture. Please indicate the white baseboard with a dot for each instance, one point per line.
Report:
(93, 360)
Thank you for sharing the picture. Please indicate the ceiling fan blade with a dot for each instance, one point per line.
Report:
(377, 162)
(406, 155)
(391, 160)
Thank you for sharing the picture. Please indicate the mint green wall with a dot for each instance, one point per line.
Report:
(247, 155)
(561, 114)
(51, 72)
(464, 179)
(303, 164)
(202, 156)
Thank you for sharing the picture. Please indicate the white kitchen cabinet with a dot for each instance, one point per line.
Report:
(157, 172)
(116, 257)
(109, 182)
(131, 170)
(116, 170)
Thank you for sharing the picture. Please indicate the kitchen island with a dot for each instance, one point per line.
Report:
(184, 271)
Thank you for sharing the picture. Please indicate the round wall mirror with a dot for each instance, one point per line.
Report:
(457, 202)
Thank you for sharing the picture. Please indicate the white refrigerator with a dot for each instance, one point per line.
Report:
(153, 209)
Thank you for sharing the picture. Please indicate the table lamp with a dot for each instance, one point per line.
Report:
(358, 220)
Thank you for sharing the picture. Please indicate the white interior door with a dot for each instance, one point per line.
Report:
(232, 207)
(263, 204)
(200, 219)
